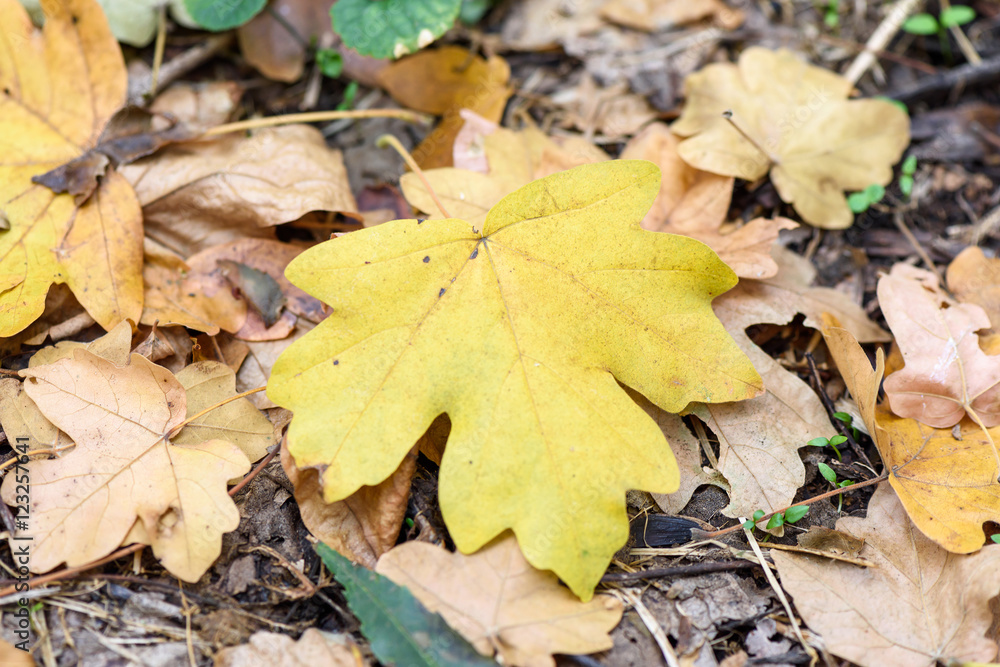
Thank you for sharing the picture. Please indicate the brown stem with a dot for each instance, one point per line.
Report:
(881, 478)
(315, 117)
(389, 140)
(728, 115)
(681, 571)
(177, 429)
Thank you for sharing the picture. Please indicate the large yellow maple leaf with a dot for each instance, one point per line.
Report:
(58, 89)
(520, 331)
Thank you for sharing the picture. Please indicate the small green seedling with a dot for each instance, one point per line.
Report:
(829, 442)
(830, 476)
(860, 201)
(750, 523)
(848, 421)
(349, 94)
(906, 176)
(791, 515)
(995, 538)
(330, 62)
(927, 24)
(831, 14)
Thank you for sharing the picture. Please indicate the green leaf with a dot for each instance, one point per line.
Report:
(957, 15)
(330, 62)
(910, 165)
(793, 514)
(777, 521)
(857, 202)
(392, 28)
(819, 442)
(758, 515)
(399, 628)
(219, 16)
(921, 24)
(906, 184)
(827, 472)
(350, 92)
(473, 10)
(845, 483)
(874, 192)
(838, 440)
(748, 524)
(844, 417)
(995, 538)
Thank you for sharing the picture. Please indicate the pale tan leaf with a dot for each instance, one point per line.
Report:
(122, 471)
(657, 15)
(975, 278)
(502, 605)
(914, 605)
(271, 649)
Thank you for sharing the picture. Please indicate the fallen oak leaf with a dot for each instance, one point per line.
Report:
(123, 472)
(947, 486)
(938, 607)
(273, 649)
(694, 203)
(501, 604)
(793, 120)
(975, 278)
(518, 367)
(58, 90)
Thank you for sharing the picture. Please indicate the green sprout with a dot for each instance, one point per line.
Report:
(750, 523)
(330, 62)
(831, 14)
(830, 476)
(995, 538)
(791, 515)
(830, 442)
(848, 421)
(859, 202)
(349, 94)
(927, 24)
(906, 177)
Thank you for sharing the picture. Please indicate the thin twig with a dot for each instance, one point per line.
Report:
(315, 117)
(177, 429)
(393, 142)
(880, 38)
(905, 230)
(679, 571)
(161, 42)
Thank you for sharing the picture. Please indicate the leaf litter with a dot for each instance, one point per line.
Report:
(204, 279)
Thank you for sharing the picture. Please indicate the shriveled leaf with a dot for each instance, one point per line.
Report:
(122, 471)
(657, 15)
(273, 649)
(611, 111)
(948, 486)
(400, 630)
(947, 375)
(501, 604)
(58, 90)
(759, 439)
(694, 203)
(444, 81)
(212, 192)
(362, 526)
(813, 140)
(915, 605)
(518, 331)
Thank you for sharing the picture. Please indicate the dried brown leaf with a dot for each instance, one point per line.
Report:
(272, 649)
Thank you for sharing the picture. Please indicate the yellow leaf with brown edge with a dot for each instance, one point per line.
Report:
(520, 331)
(502, 605)
(123, 472)
(58, 90)
(947, 485)
(794, 120)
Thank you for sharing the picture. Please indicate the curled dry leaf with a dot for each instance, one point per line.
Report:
(501, 604)
(210, 192)
(794, 120)
(362, 526)
(613, 112)
(272, 649)
(694, 203)
(58, 90)
(496, 326)
(947, 485)
(657, 15)
(443, 81)
(123, 478)
(947, 375)
(916, 605)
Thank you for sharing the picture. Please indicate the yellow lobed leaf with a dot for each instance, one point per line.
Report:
(122, 471)
(948, 486)
(915, 604)
(58, 89)
(813, 140)
(502, 605)
(520, 331)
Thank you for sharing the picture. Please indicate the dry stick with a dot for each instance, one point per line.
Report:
(679, 571)
(69, 572)
(728, 115)
(190, 59)
(389, 140)
(925, 258)
(986, 72)
(968, 50)
(315, 117)
(161, 42)
(780, 593)
(881, 478)
(880, 38)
